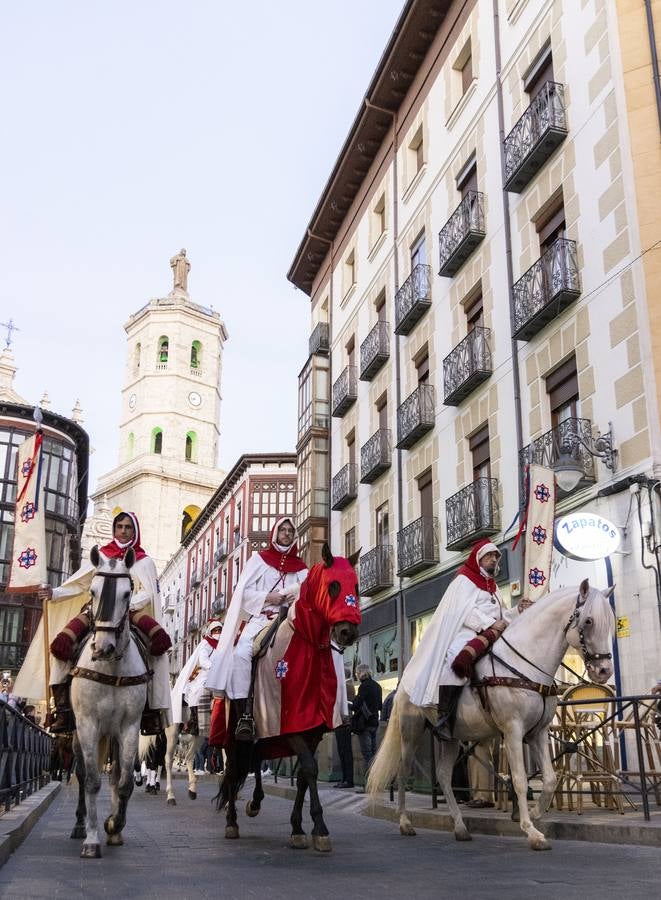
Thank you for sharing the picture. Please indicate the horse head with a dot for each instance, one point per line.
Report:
(110, 591)
(332, 590)
(590, 631)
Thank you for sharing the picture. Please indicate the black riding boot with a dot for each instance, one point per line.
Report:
(63, 720)
(448, 698)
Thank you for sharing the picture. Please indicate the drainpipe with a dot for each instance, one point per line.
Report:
(401, 616)
(508, 246)
(655, 61)
(324, 240)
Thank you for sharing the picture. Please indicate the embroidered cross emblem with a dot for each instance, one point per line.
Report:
(542, 493)
(28, 512)
(26, 468)
(539, 534)
(536, 577)
(27, 558)
(281, 668)
(350, 600)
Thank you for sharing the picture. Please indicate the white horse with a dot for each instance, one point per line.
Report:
(521, 707)
(108, 695)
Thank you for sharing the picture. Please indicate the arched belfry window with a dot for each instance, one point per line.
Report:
(188, 516)
(136, 358)
(196, 355)
(163, 350)
(157, 440)
(191, 446)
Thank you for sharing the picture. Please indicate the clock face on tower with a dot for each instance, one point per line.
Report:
(195, 399)
(132, 401)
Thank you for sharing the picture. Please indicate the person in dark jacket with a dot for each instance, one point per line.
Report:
(366, 709)
(343, 737)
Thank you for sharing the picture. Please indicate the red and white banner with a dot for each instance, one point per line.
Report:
(540, 516)
(29, 557)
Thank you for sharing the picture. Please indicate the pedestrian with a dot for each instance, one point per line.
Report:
(343, 736)
(366, 708)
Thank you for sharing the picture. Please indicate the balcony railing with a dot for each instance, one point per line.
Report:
(461, 233)
(220, 553)
(193, 625)
(546, 449)
(25, 761)
(549, 286)
(206, 568)
(319, 340)
(413, 299)
(417, 546)
(541, 129)
(374, 351)
(416, 416)
(467, 366)
(218, 604)
(376, 570)
(472, 513)
(195, 578)
(375, 456)
(344, 488)
(345, 391)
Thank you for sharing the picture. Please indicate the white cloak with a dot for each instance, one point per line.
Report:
(464, 610)
(257, 580)
(191, 691)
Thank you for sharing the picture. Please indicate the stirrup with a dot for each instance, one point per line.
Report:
(245, 729)
(442, 730)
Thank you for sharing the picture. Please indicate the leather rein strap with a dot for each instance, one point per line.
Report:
(112, 680)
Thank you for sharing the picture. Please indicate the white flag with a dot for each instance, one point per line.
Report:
(29, 558)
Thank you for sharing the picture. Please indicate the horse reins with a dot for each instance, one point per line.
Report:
(119, 628)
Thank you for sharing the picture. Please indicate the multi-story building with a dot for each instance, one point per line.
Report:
(483, 266)
(170, 425)
(65, 462)
(198, 581)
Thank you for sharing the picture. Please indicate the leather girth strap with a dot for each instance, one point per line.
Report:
(112, 680)
(545, 690)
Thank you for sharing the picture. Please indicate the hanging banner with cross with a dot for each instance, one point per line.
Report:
(28, 563)
(538, 522)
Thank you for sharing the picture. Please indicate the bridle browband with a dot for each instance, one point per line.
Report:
(574, 623)
(119, 628)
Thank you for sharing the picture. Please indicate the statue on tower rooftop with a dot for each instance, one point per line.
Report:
(180, 269)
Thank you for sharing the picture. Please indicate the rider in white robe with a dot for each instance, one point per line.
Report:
(271, 579)
(192, 681)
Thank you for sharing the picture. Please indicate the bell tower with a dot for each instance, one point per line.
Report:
(170, 419)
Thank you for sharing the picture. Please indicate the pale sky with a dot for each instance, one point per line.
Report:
(132, 129)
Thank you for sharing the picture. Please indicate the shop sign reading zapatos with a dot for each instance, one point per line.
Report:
(585, 535)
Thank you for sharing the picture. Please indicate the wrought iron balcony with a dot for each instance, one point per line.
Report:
(413, 299)
(193, 625)
(416, 416)
(375, 456)
(417, 546)
(218, 604)
(220, 554)
(319, 340)
(376, 570)
(206, 568)
(549, 286)
(546, 449)
(472, 513)
(541, 129)
(374, 351)
(345, 391)
(344, 488)
(461, 233)
(467, 366)
(195, 578)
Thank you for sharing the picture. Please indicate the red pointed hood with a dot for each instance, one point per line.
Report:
(471, 568)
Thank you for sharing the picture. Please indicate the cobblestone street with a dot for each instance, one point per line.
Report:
(180, 852)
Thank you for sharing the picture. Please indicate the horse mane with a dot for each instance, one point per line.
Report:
(599, 612)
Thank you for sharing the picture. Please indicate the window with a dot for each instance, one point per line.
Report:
(382, 525)
(426, 494)
(136, 358)
(351, 351)
(479, 448)
(551, 225)
(418, 251)
(379, 218)
(467, 71)
(562, 390)
(163, 350)
(382, 410)
(349, 271)
(422, 365)
(462, 73)
(380, 307)
(467, 178)
(539, 73)
(269, 501)
(416, 154)
(157, 440)
(191, 446)
(351, 448)
(196, 355)
(475, 312)
(350, 542)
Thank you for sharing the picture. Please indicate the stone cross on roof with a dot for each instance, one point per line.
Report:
(10, 327)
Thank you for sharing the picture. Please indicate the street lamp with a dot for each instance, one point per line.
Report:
(569, 470)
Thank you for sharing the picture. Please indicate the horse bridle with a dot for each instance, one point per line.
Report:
(119, 628)
(574, 623)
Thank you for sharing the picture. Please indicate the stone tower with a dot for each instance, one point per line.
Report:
(170, 421)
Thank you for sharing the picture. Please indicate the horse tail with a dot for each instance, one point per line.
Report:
(145, 743)
(104, 751)
(385, 764)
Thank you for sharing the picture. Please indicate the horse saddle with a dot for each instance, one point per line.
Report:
(264, 638)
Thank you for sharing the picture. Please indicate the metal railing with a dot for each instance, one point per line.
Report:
(374, 351)
(417, 546)
(375, 456)
(25, 757)
(416, 416)
(413, 299)
(546, 449)
(472, 512)
(461, 234)
(344, 488)
(549, 285)
(467, 366)
(319, 340)
(345, 391)
(376, 570)
(541, 128)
